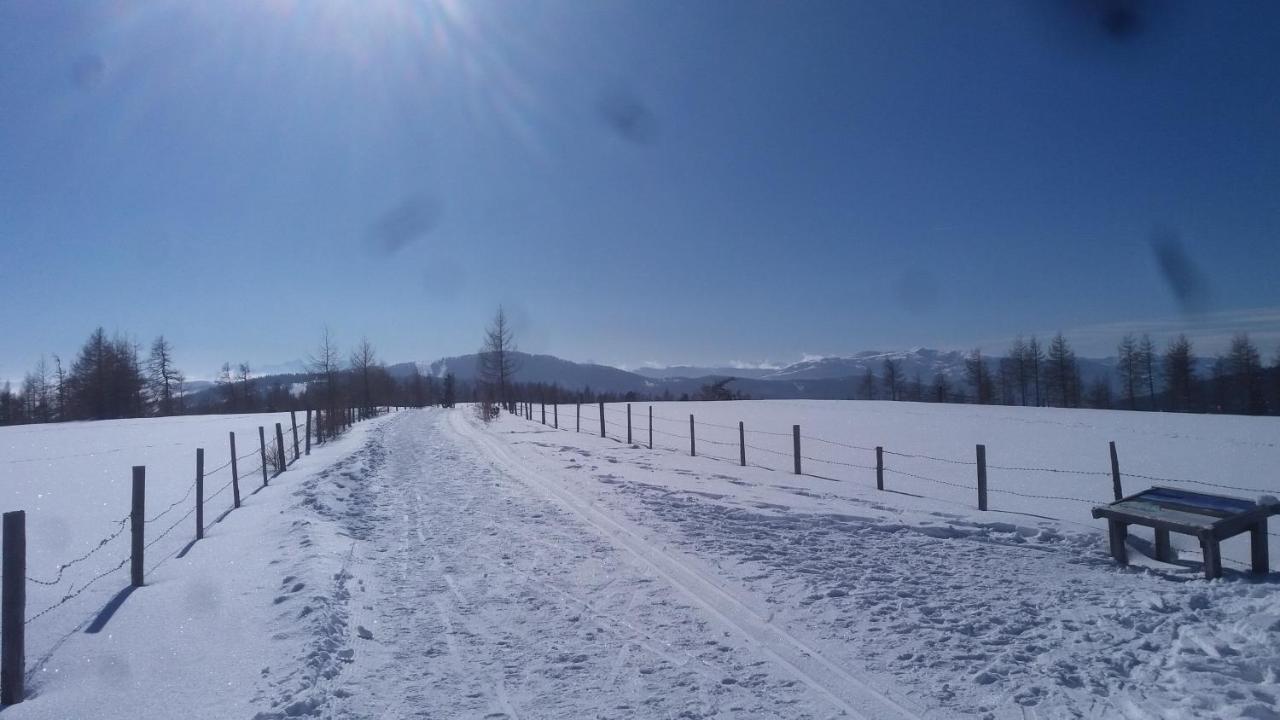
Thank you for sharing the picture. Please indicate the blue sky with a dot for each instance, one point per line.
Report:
(636, 182)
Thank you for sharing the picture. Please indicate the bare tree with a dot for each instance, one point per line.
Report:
(450, 396)
(1099, 395)
(892, 377)
(105, 381)
(35, 393)
(227, 383)
(162, 376)
(1179, 365)
(1021, 367)
(1035, 366)
(364, 363)
(60, 378)
(867, 386)
(1062, 374)
(979, 377)
(326, 365)
(244, 378)
(498, 360)
(1129, 366)
(941, 390)
(1147, 368)
(1244, 363)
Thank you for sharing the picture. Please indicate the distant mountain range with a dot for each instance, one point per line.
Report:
(812, 378)
(693, 371)
(822, 378)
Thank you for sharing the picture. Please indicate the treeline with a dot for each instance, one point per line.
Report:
(111, 378)
(1148, 378)
(108, 379)
(1037, 375)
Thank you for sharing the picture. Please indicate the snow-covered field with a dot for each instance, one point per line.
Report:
(431, 565)
(1041, 462)
(74, 481)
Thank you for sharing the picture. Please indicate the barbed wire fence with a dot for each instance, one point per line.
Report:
(273, 458)
(1098, 487)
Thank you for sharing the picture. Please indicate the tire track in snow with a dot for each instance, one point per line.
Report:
(840, 686)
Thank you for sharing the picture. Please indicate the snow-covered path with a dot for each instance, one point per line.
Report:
(446, 568)
(472, 589)
(1002, 615)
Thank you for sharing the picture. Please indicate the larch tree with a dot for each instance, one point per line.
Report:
(106, 381)
(1147, 368)
(1062, 374)
(244, 378)
(1035, 367)
(941, 389)
(979, 377)
(226, 383)
(867, 386)
(364, 364)
(60, 385)
(163, 376)
(1179, 368)
(1018, 356)
(1128, 365)
(892, 378)
(498, 363)
(326, 366)
(1244, 364)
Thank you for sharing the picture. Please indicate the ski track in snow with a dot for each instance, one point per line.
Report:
(980, 618)
(469, 594)
(512, 573)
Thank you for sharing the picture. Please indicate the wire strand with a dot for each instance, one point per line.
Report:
(121, 524)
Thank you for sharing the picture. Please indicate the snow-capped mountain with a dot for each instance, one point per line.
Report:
(919, 361)
(696, 371)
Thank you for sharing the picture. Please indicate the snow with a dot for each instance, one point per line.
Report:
(966, 612)
(428, 564)
(156, 651)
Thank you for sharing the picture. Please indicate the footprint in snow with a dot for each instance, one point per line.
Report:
(364, 632)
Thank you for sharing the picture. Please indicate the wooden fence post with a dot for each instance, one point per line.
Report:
(693, 448)
(280, 449)
(544, 413)
(742, 444)
(982, 477)
(262, 449)
(650, 427)
(628, 423)
(235, 474)
(13, 608)
(601, 418)
(879, 468)
(555, 410)
(199, 493)
(1115, 472)
(137, 525)
(578, 427)
(307, 430)
(795, 442)
(293, 420)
